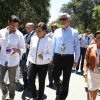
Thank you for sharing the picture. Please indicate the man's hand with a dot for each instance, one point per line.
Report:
(26, 68)
(40, 56)
(75, 64)
(26, 45)
(51, 62)
(14, 50)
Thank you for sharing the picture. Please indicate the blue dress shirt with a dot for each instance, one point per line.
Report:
(70, 38)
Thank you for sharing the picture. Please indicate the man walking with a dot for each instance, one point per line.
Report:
(65, 43)
(12, 44)
(85, 41)
(29, 27)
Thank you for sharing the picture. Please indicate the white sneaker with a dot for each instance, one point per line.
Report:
(4, 96)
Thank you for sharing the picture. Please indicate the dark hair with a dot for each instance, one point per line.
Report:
(97, 32)
(13, 18)
(42, 25)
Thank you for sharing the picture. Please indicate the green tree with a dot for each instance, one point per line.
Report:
(81, 12)
(27, 10)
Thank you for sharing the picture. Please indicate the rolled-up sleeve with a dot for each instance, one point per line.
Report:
(76, 47)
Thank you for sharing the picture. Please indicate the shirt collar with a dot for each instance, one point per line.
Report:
(8, 31)
(66, 28)
(31, 32)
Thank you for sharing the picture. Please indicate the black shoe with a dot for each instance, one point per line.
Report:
(58, 90)
(50, 84)
(82, 71)
(23, 87)
(76, 71)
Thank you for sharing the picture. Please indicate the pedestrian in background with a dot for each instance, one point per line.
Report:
(84, 42)
(29, 28)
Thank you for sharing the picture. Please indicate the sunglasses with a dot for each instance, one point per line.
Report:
(63, 19)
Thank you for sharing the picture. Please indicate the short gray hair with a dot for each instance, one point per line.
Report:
(66, 14)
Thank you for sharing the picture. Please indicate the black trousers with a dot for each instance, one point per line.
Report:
(62, 63)
(82, 55)
(50, 73)
(41, 70)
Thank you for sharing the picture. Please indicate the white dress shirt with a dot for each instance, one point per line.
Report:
(14, 40)
(40, 46)
(50, 35)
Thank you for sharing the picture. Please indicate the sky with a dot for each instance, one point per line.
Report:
(55, 8)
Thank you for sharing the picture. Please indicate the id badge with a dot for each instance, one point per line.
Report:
(62, 47)
(8, 50)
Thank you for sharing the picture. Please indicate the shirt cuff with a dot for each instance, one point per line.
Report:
(76, 60)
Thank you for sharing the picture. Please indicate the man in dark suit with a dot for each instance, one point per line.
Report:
(29, 27)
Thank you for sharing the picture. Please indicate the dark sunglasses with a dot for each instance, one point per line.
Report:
(63, 19)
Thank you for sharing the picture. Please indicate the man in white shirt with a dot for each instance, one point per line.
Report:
(12, 44)
(29, 27)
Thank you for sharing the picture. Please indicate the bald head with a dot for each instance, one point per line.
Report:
(53, 27)
(29, 27)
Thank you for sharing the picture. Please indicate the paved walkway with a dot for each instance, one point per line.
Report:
(77, 90)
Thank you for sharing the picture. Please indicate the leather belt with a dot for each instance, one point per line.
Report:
(64, 54)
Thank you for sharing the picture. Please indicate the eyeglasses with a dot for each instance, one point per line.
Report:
(63, 19)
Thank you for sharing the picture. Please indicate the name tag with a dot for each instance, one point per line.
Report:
(8, 50)
(62, 47)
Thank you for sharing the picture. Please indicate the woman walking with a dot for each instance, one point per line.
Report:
(92, 67)
(39, 57)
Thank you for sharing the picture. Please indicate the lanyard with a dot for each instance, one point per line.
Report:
(64, 35)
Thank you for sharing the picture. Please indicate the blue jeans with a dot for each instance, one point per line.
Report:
(22, 65)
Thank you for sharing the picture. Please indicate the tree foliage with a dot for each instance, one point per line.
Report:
(27, 10)
(81, 12)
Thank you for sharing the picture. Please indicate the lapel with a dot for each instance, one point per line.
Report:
(27, 40)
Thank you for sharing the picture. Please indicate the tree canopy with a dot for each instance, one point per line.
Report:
(82, 14)
(27, 10)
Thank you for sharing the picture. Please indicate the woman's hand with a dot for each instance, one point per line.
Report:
(26, 68)
(40, 56)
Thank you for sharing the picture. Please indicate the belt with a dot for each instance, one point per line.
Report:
(84, 47)
(64, 54)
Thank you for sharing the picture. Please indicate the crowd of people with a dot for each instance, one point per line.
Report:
(39, 52)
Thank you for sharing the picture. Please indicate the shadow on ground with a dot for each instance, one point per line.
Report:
(26, 94)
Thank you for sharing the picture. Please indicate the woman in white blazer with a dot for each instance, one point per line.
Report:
(39, 57)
